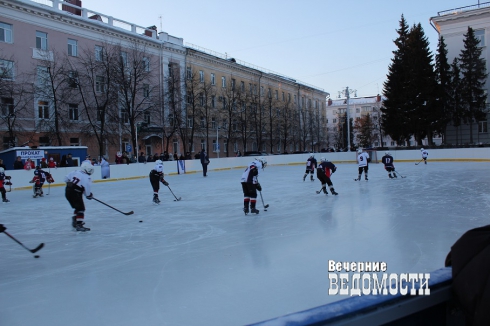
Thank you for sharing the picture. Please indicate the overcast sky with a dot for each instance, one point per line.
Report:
(329, 44)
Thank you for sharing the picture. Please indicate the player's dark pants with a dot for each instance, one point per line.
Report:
(363, 168)
(3, 191)
(324, 179)
(74, 196)
(390, 169)
(249, 194)
(155, 182)
(204, 169)
(310, 171)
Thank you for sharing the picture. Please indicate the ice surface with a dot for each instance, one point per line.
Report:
(201, 261)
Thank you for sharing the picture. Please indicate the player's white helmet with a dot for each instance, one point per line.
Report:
(263, 161)
(387, 153)
(359, 151)
(312, 155)
(323, 159)
(422, 149)
(159, 162)
(87, 168)
(2, 170)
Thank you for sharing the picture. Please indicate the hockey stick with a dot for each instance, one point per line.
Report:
(176, 199)
(319, 191)
(100, 201)
(419, 162)
(399, 174)
(265, 206)
(31, 250)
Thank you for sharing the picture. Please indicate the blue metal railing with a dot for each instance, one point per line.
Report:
(463, 9)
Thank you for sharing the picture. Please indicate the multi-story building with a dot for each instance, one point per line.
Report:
(452, 24)
(72, 76)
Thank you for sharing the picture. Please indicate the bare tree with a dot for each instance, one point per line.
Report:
(173, 102)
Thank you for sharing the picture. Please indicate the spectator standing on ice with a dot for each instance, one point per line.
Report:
(204, 162)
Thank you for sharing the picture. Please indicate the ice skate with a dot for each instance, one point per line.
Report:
(156, 200)
(254, 211)
(79, 227)
(245, 210)
(333, 192)
(304, 177)
(5, 200)
(312, 178)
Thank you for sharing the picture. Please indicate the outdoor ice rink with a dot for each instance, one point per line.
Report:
(201, 261)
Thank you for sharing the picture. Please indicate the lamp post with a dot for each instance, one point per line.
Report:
(217, 139)
(347, 92)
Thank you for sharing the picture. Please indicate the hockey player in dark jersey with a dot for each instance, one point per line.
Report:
(387, 160)
(323, 172)
(156, 176)
(250, 185)
(4, 180)
(311, 164)
(40, 176)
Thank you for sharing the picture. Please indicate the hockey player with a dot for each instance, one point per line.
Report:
(424, 154)
(78, 183)
(311, 164)
(4, 177)
(250, 185)
(387, 160)
(362, 161)
(323, 172)
(156, 176)
(40, 176)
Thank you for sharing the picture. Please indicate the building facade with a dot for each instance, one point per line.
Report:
(452, 25)
(72, 76)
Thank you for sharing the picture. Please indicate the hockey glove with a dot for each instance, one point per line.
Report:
(32, 181)
(8, 183)
(334, 169)
(91, 196)
(8, 177)
(165, 183)
(259, 187)
(2, 228)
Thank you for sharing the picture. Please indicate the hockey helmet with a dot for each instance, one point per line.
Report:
(312, 155)
(158, 162)
(263, 161)
(2, 170)
(87, 168)
(323, 159)
(387, 153)
(422, 149)
(359, 151)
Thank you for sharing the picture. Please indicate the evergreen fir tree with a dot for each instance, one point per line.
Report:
(443, 93)
(420, 86)
(474, 74)
(394, 119)
(455, 107)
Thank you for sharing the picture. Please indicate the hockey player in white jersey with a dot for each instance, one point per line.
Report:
(363, 163)
(250, 185)
(424, 154)
(79, 183)
(156, 176)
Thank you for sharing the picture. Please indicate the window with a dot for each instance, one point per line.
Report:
(213, 79)
(100, 114)
(42, 75)
(223, 82)
(99, 84)
(261, 90)
(124, 115)
(213, 123)
(7, 106)
(41, 40)
(175, 145)
(233, 84)
(277, 94)
(6, 69)
(124, 58)
(203, 144)
(225, 124)
(225, 145)
(334, 121)
(283, 97)
(43, 109)
(147, 117)
(203, 122)
(289, 97)
(269, 93)
(201, 76)
(213, 101)
(294, 99)
(190, 121)
(72, 79)
(250, 87)
(44, 141)
(480, 35)
(201, 99)
(189, 73)
(234, 126)
(5, 33)
(99, 53)
(358, 110)
(215, 146)
(146, 90)
(74, 141)
(73, 112)
(72, 47)
(8, 142)
(170, 119)
(146, 64)
(242, 86)
(482, 127)
(235, 147)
